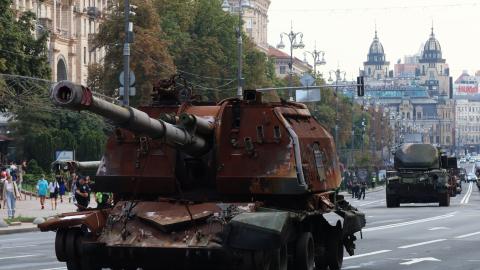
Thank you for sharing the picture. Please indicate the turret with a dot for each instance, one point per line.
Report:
(182, 136)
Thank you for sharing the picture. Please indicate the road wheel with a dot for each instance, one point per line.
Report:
(72, 256)
(444, 199)
(280, 259)
(60, 245)
(305, 252)
(335, 248)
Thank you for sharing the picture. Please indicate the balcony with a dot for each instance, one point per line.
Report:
(93, 12)
(45, 23)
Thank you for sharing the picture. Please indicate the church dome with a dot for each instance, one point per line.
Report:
(432, 51)
(376, 54)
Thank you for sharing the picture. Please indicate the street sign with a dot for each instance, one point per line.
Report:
(121, 78)
(307, 80)
(306, 95)
(132, 91)
(64, 155)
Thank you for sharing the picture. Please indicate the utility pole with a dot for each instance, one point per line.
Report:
(126, 53)
(240, 51)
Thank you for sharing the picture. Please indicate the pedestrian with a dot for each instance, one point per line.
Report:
(54, 188)
(355, 189)
(82, 194)
(10, 195)
(42, 188)
(61, 187)
(13, 171)
(374, 180)
(103, 199)
(73, 187)
(21, 172)
(363, 188)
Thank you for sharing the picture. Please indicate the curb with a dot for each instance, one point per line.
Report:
(19, 230)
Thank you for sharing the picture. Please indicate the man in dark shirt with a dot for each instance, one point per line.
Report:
(82, 194)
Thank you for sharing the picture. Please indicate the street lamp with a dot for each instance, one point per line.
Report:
(317, 61)
(227, 8)
(294, 44)
(338, 77)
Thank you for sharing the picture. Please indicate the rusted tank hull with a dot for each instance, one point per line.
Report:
(184, 235)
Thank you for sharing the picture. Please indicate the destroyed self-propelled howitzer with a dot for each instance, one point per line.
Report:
(241, 184)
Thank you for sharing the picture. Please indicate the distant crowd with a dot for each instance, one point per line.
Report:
(79, 186)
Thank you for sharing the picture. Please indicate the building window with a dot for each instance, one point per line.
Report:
(283, 70)
(84, 55)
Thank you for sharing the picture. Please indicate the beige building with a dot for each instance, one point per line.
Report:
(282, 61)
(255, 17)
(71, 25)
(467, 120)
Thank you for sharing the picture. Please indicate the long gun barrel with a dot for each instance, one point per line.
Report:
(74, 166)
(76, 97)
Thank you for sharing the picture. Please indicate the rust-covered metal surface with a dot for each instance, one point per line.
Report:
(237, 176)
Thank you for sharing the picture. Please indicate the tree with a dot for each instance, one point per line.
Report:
(20, 52)
(150, 59)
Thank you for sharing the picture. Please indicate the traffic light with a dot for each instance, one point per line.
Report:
(360, 86)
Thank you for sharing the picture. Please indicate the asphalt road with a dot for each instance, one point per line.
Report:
(420, 236)
(413, 236)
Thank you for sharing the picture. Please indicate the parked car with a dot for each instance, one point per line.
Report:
(471, 177)
(463, 160)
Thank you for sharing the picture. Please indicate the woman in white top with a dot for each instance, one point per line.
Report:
(53, 187)
(10, 195)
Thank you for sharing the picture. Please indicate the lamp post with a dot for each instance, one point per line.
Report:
(227, 8)
(317, 61)
(338, 77)
(294, 44)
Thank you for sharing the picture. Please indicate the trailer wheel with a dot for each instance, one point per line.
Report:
(305, 252)
(444, 200)
(72, 258)
(392, 202)
(335, 247)
(60, 251)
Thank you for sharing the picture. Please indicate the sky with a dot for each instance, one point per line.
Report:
(344, 29)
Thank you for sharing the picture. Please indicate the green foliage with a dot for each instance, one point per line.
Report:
(33, 168)
(193, 37)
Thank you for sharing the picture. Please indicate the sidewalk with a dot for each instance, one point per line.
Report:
(30, 207)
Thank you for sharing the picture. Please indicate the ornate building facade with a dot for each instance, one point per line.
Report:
(416, 94)
(255, 18)
(71, 25)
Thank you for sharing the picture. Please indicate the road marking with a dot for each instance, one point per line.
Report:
(417, 260)
(17, 257)
(363, 204)
(467, 235)
(390, 226)
(351, 267)
(367, 254)
(438, 228)
(58, 268)
(466, 198)
(423, 243)
(19, 246)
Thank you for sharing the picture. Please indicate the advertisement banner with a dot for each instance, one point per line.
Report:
(469, 89)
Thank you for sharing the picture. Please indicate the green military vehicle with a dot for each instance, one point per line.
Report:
(419, 176)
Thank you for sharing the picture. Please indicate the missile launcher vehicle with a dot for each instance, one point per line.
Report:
(238, 184)
(420, 176)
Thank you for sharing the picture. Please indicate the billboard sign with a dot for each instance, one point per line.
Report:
(305, 95)
(64, 155)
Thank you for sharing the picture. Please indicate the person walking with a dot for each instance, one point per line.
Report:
(10, 195)
(54, 189)
(363, 188)
(42, 188)
(62, 188)
(73, 187)
(82, 194)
